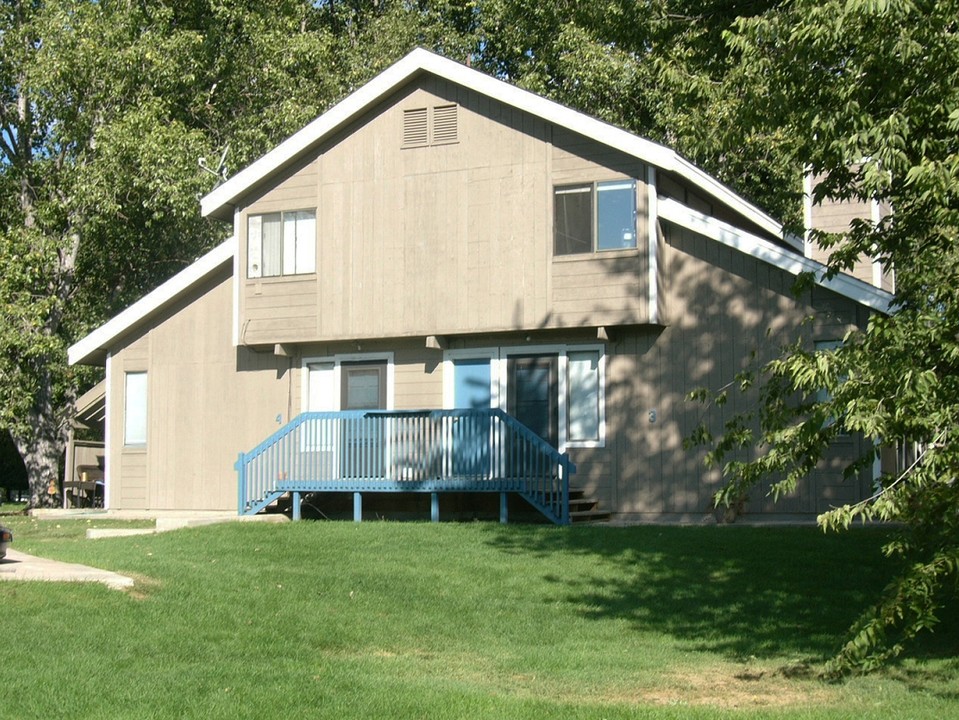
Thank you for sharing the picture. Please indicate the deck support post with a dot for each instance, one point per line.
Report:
(435, 507)
(296, 506)
(357, 507)
(503, 511)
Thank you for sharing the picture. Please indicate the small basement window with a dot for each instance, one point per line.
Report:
(591, 217)
(282, 243)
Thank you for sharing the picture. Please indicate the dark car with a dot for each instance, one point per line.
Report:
(6, 537)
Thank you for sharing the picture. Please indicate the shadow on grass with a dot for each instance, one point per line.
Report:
(739, 591)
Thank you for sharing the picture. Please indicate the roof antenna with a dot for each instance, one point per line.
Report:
(221, 169)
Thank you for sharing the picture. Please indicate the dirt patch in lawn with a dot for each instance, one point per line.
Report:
(738, 688)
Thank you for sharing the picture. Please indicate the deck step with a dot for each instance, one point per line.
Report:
(579, 516)
(582, 503)
(583, 508)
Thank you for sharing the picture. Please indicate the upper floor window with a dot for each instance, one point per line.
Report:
(282, 243)
(592, 217)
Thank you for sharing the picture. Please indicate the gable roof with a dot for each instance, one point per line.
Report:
(93, 348)
(219, 203)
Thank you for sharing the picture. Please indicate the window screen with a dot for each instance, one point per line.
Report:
(573, 219)
(613, 204)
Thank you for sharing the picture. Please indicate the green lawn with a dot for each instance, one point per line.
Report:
(413, 620)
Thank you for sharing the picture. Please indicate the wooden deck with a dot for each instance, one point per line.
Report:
(420, 451)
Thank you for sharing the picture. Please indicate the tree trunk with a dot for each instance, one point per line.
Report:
(43, 446)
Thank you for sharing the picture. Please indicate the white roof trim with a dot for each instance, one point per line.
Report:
(845, 285)
(103, 336)
(421, 60)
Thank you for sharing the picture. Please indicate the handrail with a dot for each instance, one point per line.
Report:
(475, 450)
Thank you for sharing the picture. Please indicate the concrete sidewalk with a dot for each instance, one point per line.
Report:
(20, 566)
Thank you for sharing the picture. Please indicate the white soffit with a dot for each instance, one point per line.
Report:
(762, 249)
(218, 201)
(99, 340)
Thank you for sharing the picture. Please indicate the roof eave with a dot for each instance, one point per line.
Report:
(219, 202)
(93, 349)
(790, 261)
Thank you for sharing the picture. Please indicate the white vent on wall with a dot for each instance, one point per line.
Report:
(437, 125)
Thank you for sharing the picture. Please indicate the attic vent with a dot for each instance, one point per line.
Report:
(435, 125)
(415, 128)
(444, 124)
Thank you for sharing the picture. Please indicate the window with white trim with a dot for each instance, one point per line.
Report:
(577, 389)
(135, 409)
(823, 395)
(593, 217)
(584, 404)
(281, 243)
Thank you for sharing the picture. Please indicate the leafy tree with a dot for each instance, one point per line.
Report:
(105, 108)
(868, 91)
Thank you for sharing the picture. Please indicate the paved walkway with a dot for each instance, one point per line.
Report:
(20, 566)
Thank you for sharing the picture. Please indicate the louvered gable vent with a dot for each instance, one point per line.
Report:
(444, 124)
(435, 125)
(415, 128)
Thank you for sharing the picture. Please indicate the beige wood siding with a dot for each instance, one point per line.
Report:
(441, 239)
(209, 400)
(287, 305)
(206, 402)
(130, 463)
(605, 288)
(835, 217)
(600, 289)
(726, 306)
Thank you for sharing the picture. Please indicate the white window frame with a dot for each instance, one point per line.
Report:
(449, 382)
(337, 384)
(499, 379)
(600, 404)
(136, 424)
(296, 258)
(594, 190)
(337, 361)
(561, 351)
(822, 395)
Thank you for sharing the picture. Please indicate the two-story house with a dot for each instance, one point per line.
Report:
(449, 287)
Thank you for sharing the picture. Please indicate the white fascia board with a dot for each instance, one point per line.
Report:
(103, 336)
(716, 189)
(421, 60)
(762, 249)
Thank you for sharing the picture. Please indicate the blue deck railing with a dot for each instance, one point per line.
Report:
(406, 451)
